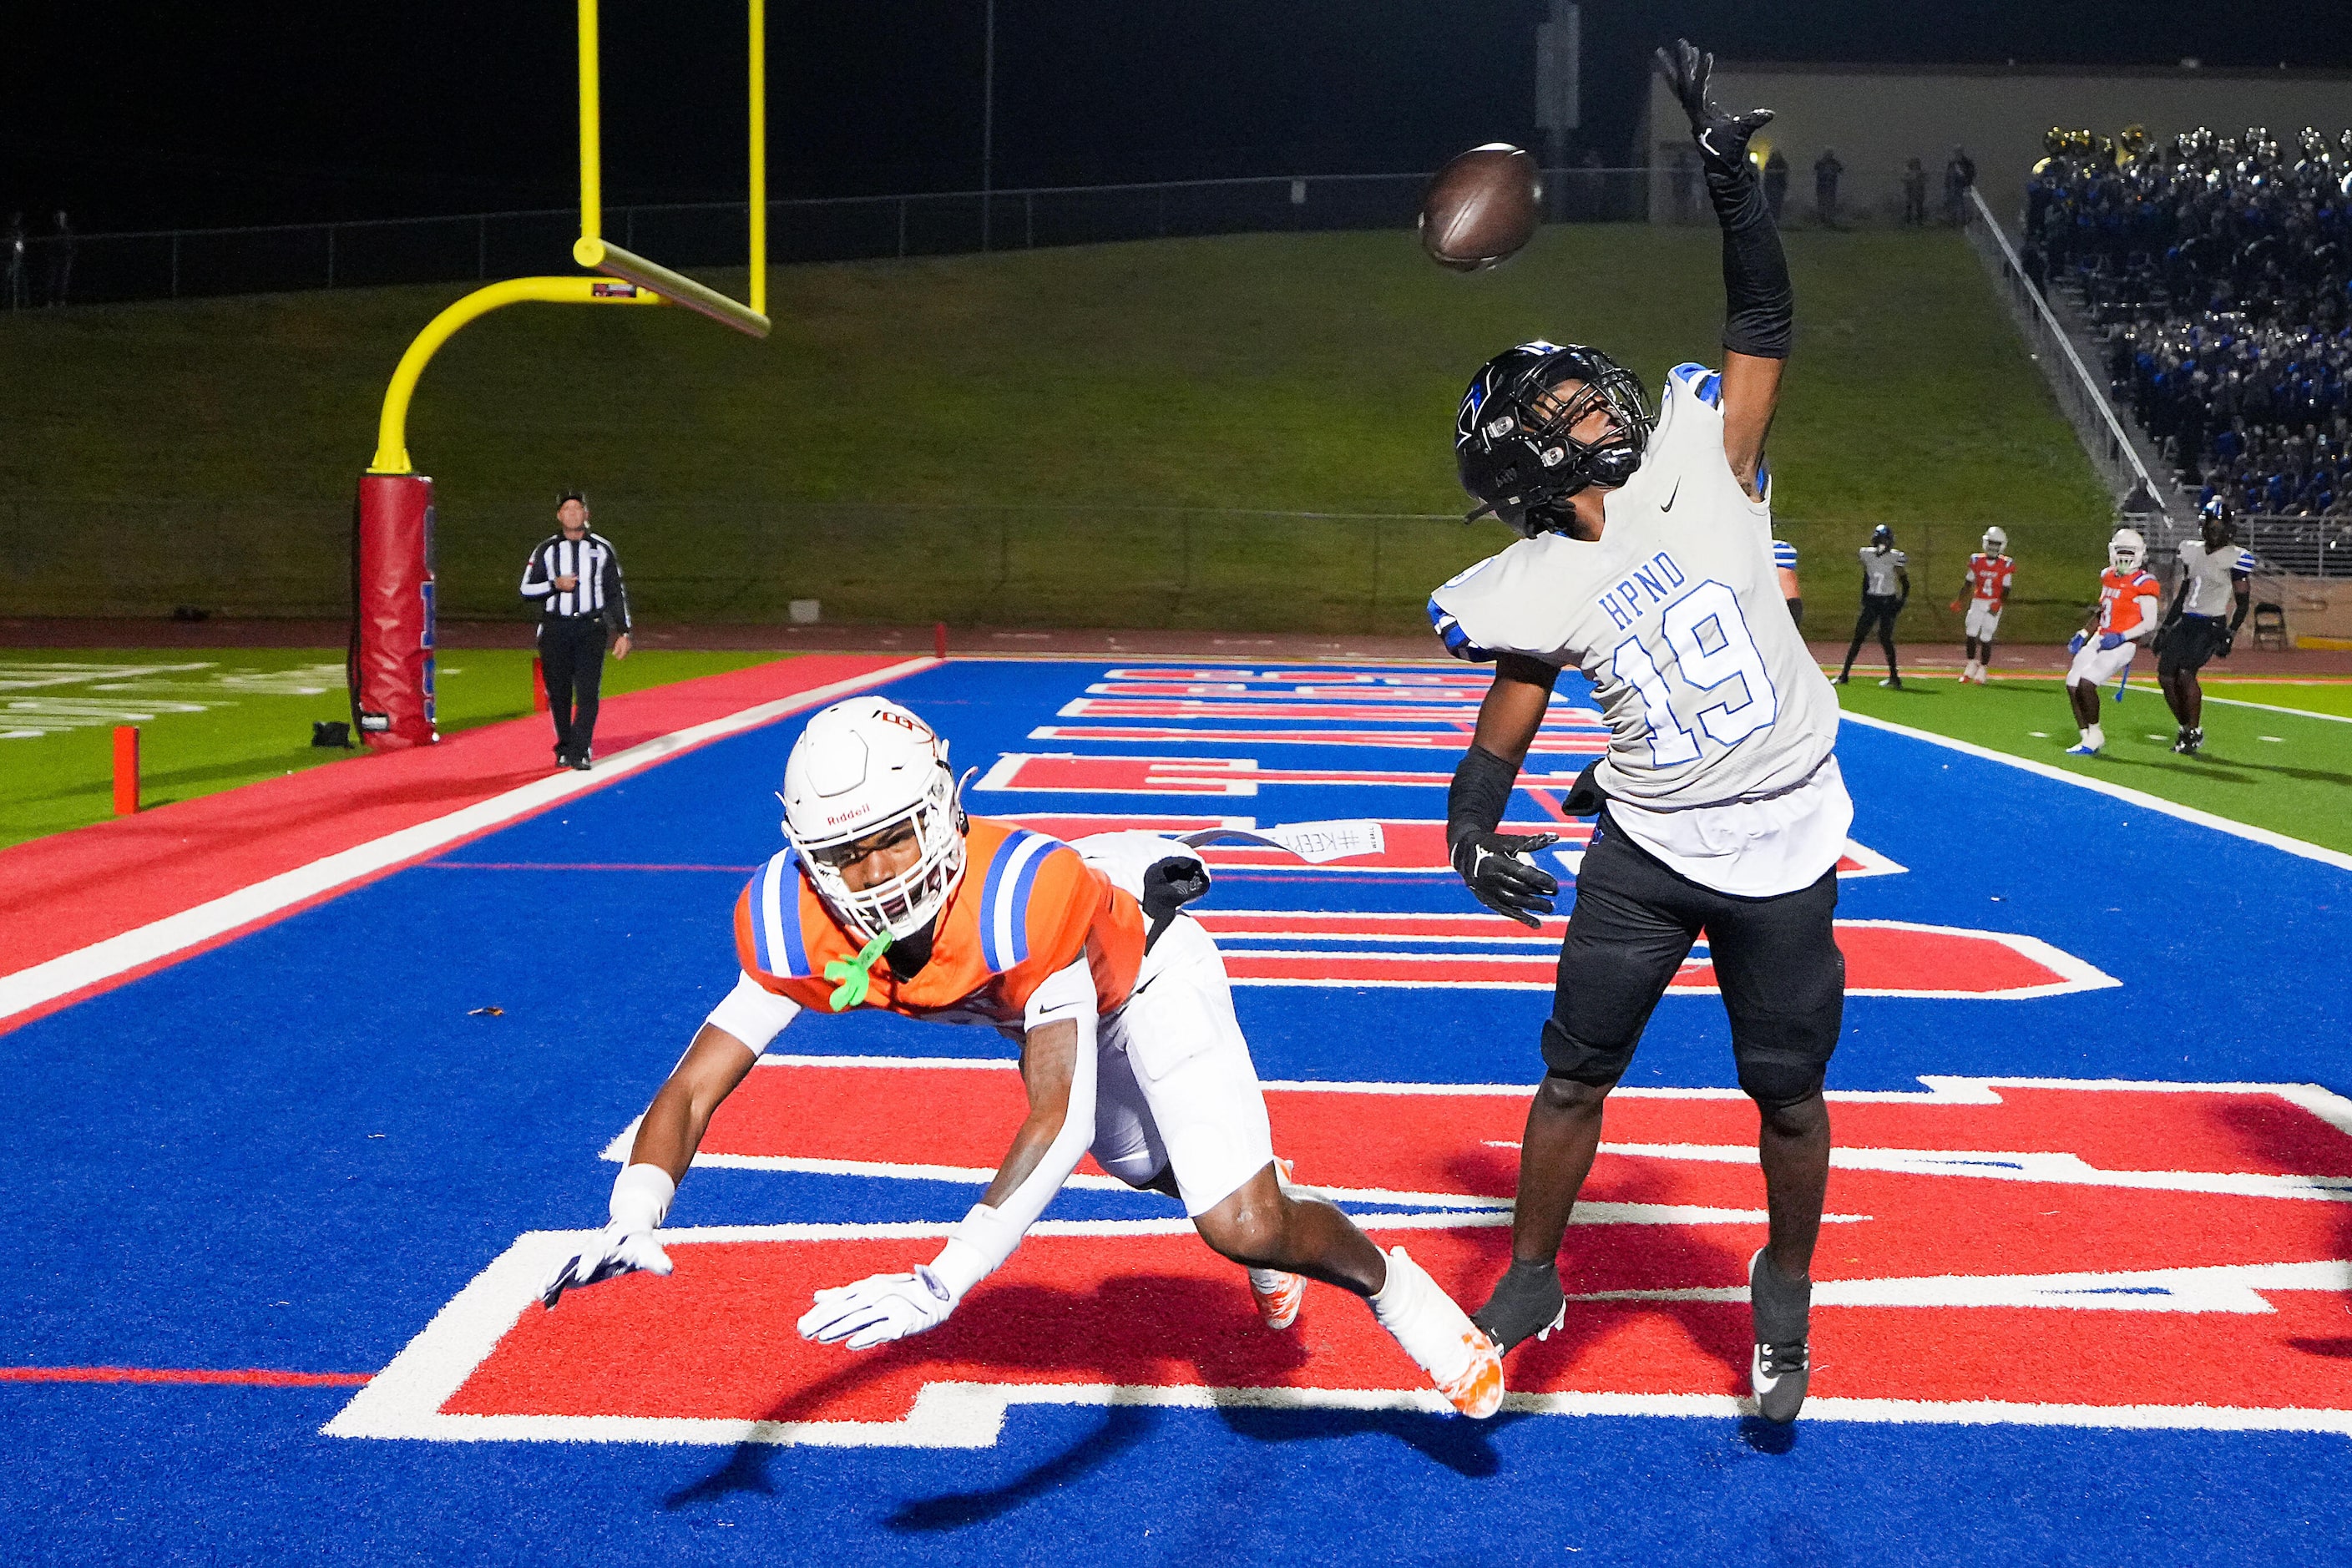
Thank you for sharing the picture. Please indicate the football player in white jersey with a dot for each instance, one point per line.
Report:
(2216, 576)
(1646, 562)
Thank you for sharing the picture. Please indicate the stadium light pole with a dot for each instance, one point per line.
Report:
(988, 125)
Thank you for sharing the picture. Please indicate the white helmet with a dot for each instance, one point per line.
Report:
(1995, 541)
(861, 766)
(2127, 550)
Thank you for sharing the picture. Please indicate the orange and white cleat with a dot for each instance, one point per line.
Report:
(1438, 1334)
(1277, 1296)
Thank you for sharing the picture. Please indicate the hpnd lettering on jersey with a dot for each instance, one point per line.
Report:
(1644, 589)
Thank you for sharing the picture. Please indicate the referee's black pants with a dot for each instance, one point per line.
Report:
(572, 657)
(1877, 611)
(1776, 963)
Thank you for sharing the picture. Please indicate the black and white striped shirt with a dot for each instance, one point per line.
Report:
(593, 561)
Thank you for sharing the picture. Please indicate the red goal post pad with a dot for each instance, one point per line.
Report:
(390, 666)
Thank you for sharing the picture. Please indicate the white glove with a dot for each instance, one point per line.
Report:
(608, 1252)
(878, 1309)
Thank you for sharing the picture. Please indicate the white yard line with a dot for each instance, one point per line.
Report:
(2273, 708)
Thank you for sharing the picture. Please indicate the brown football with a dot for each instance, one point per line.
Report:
(1481, 207)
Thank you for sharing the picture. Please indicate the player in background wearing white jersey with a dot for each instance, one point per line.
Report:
(1885, 589)
(1646, 562)
(2215, 572)
(2126, 617)
(1984, 592)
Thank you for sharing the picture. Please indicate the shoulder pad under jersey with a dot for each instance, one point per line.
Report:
(772, 916)
(1006, 889)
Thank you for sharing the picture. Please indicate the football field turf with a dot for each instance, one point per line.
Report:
(212, 719)
(2083, 1295)
(2277, 756)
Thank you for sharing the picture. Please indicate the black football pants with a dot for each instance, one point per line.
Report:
(1776, 961)
(1877, 610)
(572, 657)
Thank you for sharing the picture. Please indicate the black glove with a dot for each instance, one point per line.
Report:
(1168, 886)
(2228, 640)
(1499, 880)
(1722, 137)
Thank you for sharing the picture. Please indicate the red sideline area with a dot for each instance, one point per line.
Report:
(62, 893)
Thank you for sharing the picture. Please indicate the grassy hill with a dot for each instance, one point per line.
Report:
(1079, 436)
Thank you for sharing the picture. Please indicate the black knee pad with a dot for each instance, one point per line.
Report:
(1776, 1085)
(1566, 1057)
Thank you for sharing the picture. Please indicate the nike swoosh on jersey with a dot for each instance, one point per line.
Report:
(1670, 495)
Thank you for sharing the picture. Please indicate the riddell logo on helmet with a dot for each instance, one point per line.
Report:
(839, 817)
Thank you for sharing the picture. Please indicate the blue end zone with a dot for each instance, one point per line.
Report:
(291, 1152)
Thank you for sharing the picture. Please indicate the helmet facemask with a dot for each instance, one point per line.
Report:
(2126, 551)
(864, 770)
(1513, 435)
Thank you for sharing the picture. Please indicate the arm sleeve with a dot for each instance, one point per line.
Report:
(2150, 605)
(753, 1013)
(1480, 794)
(1760, 307)
(536, 584)
(986, 1237)
(617, 593)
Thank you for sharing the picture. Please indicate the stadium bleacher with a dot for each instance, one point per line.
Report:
(2218, 268)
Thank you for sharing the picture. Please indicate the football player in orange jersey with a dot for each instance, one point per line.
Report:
(888, 895)
(1983, 593)
(2129, 598)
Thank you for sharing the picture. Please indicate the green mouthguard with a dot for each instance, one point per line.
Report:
(856, 975)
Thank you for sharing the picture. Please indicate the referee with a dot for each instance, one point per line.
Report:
(575, 575)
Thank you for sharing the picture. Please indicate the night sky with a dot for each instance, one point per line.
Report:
(145, 114)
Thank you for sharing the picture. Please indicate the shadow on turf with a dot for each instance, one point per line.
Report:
(1460, 1446)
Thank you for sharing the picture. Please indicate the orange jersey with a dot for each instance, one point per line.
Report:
(2119, 599)
(1027, 908)
(1989, 578)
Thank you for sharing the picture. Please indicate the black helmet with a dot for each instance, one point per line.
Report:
(2219, 510)
(1521, 464)
(1882, 534)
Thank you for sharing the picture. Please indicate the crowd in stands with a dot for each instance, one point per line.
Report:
(2221, 269)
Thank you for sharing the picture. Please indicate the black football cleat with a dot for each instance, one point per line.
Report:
(1528, 1300)
(1781, 1365)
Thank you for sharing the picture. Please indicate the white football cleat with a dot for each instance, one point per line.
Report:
(1277, 1295)
(1439, 1336)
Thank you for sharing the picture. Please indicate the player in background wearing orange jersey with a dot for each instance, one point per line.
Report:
(887, 896)
(2129, 599)
(1985, 592)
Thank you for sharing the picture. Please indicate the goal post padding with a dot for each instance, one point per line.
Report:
(391, 662)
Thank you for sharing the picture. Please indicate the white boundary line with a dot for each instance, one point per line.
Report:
(2320, 853)
(175, 935)
(403, 1401)
(2273, 708)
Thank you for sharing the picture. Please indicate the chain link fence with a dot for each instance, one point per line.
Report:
(713, 560)
(174, 264)
(1038, 565)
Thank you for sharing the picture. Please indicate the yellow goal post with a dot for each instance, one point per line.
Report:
(639, 280)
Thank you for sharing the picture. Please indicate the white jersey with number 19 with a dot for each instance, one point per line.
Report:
(1722, 728)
